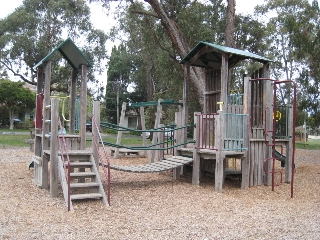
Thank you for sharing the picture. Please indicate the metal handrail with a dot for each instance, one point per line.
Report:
(106, 172)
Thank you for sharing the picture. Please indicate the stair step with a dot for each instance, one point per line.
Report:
(85, 196)
(80, 164)
(82, 174)
(84, 185)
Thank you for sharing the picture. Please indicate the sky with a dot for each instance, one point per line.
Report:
(101, 21)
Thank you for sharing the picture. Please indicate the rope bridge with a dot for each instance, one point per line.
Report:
(161, 166)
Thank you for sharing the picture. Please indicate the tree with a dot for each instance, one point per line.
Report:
(119, 72)
(294, 31)
(14, 96)
(286, 65)
(35, 28)
(168, 15)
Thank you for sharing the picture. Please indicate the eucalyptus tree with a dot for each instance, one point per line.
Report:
(119, 69)
(183, 23)
(35, 28)
(305, 30)
(282, 50)
(293, 29)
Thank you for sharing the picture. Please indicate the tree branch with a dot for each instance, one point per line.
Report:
(17, 74)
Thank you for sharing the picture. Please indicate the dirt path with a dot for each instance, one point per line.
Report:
(153, 206)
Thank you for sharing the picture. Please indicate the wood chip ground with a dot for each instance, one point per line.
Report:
(154, 206)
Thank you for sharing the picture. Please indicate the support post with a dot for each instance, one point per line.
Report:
(83, 107)
(54, 148)
(156, 134)
(196, 156)
(96, 114)
(245, 163)
(73, 101)
(121, 123)
(143, 126)
(185, 110)
(289, 147)
(219, 170)
(45, 126)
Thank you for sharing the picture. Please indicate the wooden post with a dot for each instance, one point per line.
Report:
(224, 77)
(96, 114)
(45, 126)
(156, 134)
(289, 147)
(54, 148)
(245, 163)
(83, 107)
(121, 123)
(185, 110)
(196, 156)
(143, 126)
(73, 95)
(267, 102)
(219, 171)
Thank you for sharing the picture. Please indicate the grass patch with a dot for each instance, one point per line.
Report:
(14, 130)
(13, 140)
(311, 145)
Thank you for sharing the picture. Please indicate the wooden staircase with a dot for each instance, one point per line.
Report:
(85, 182)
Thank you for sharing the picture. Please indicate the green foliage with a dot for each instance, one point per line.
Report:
(35, 28)
(15, 97)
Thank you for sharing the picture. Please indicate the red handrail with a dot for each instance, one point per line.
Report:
(101, 159)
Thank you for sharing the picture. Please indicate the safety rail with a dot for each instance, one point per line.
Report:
(206, 131)
(64, 153)
(235, 99)
(106, 166)
(234, 138)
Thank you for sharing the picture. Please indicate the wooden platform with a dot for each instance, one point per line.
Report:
(164, 165)
(125, 151)
(209, 154)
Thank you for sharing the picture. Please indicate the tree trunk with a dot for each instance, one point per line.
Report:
(179, 43)
(149, 83)
(229, 33)
(11, 118)
(229, 39)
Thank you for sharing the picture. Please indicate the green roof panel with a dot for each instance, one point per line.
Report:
(71, 53)
(235, 55)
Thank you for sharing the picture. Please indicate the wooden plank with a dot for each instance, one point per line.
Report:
(84, 185)
(85, 196)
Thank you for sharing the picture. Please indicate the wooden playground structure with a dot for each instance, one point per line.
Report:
(244, 127)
